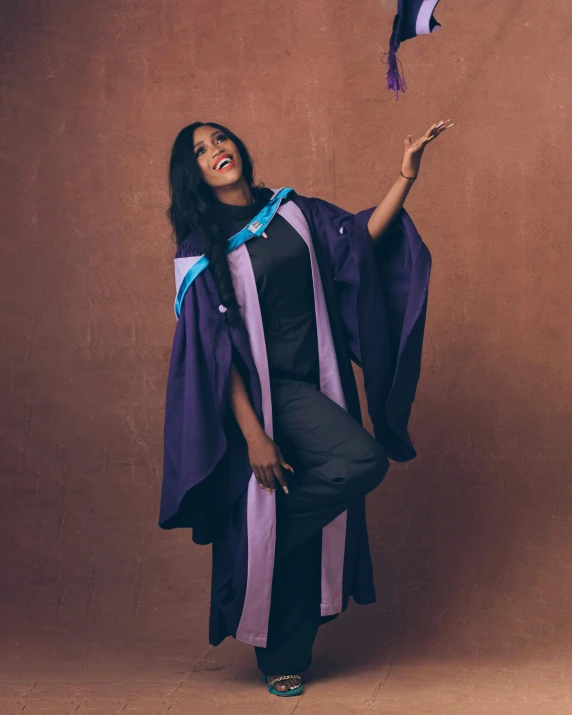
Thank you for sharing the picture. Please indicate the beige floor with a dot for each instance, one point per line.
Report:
(48, 675)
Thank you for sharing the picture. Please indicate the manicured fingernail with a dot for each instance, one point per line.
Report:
(270, 491)
(286, 490)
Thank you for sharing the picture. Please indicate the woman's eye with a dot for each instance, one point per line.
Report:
(223, 137)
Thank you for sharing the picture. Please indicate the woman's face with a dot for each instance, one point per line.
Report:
(211, 146)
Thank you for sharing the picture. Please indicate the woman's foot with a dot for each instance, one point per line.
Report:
(284, 683)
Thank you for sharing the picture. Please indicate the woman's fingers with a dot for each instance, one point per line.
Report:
(436, 129)
(443, 125)
(283, 462)
(258, 476)
(433, 131)
(269, 474)
(270, 480)
(280, 477)
(267, 477)
(262, 478)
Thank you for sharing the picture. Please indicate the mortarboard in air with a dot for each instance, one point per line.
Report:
(414, 17)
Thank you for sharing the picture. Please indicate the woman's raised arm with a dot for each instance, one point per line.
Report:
(392, 202)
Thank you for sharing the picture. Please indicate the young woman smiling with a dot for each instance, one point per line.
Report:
(266, 457)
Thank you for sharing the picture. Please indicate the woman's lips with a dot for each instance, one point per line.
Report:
(228, 166)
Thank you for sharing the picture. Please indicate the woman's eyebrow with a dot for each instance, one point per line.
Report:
(201, 141)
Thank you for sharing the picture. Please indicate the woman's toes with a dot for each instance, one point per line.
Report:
(285, 685)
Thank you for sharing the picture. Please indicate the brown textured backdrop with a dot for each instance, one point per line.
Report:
(472, 541)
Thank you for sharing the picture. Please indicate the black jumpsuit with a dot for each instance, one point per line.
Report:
(335, 459)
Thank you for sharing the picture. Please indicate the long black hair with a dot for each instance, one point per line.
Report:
(192, 208)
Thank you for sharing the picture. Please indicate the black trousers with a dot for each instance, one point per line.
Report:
(336, 461)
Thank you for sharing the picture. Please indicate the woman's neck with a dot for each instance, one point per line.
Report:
(235, 195)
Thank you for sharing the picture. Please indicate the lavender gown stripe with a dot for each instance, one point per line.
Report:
(261, 506)
(334, 534)
(182, 267)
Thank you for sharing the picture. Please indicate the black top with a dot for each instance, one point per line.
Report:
(283, 274)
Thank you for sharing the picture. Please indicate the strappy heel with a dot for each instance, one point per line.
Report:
(297, 690)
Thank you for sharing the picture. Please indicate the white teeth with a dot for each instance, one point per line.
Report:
(218, 166)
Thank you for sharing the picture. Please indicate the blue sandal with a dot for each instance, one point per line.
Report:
(296, 690)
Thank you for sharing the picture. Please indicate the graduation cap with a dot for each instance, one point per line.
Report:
(414, 17)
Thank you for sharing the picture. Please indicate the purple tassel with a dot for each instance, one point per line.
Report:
(395, 78)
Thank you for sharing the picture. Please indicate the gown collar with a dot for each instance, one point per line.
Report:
(228, 212)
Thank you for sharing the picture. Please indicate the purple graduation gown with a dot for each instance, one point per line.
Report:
(371, 303)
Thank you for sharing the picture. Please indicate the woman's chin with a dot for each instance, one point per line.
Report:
(230, 178)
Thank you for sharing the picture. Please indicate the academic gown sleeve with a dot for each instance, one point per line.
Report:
(197, 398)
(382, 291)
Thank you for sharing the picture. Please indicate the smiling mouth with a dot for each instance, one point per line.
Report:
(225, 164)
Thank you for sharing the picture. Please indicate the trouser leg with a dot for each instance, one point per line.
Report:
(294, 610)
(336, 462)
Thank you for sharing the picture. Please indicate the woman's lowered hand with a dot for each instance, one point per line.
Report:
(267, 462)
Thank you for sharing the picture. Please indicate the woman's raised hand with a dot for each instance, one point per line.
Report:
(414, 150)
(267, 462)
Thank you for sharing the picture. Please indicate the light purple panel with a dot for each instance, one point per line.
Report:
(334, 534)
(261, 506)
(423, 17)
(182, 267)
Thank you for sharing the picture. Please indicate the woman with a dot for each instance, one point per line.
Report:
(265, 454)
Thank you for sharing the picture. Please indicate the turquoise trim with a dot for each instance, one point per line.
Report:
(190, 276)
(255, 228)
